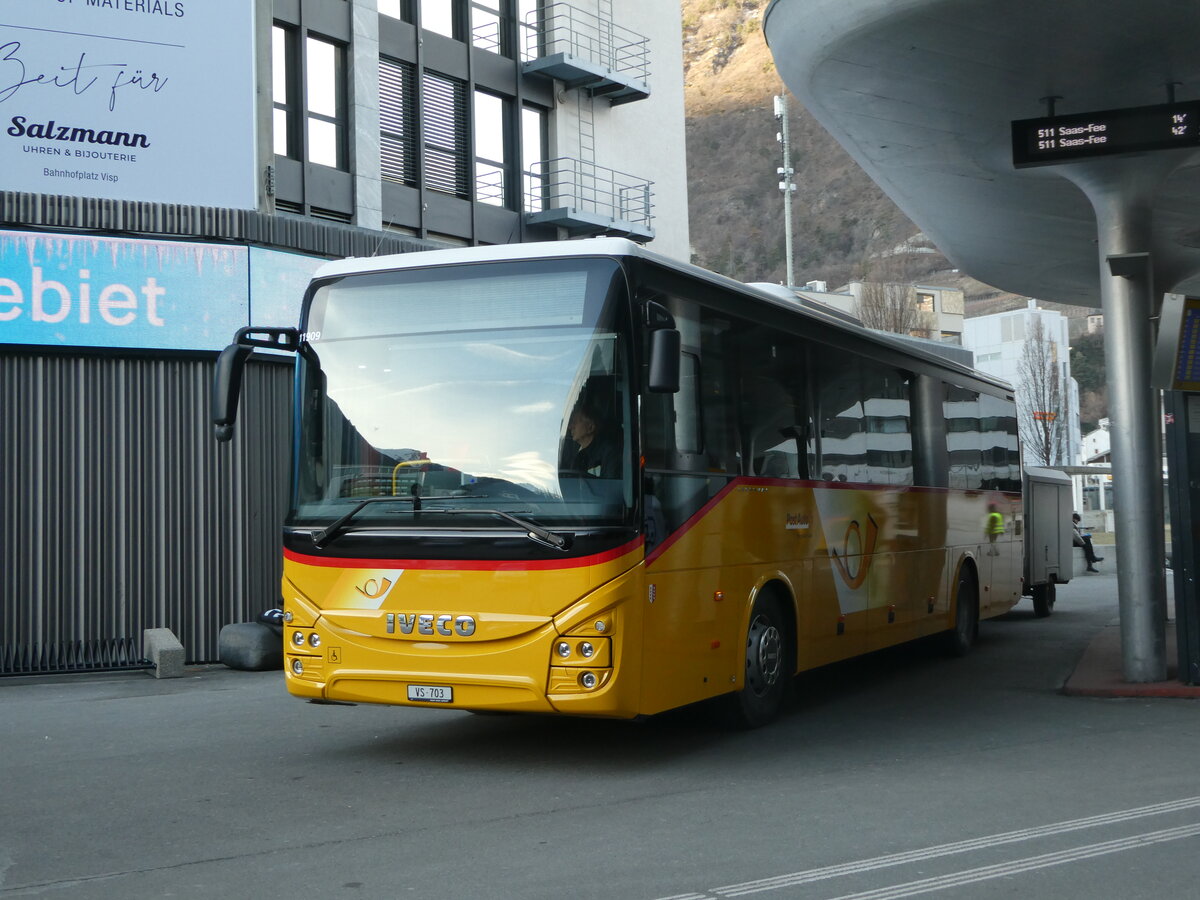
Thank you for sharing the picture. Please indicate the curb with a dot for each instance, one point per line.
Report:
(1099, 671)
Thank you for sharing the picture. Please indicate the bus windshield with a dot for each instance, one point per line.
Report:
(500, 387)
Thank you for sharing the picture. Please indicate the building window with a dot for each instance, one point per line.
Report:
(397, 9)
(528, 29)
(491, 146)
(441, 16)
(445, 125)
(284, 90)
(325, 81)
(487, 27)
(533, 154)
(1012, 328)
(398, 122)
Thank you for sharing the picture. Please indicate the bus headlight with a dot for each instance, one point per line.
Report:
(588, 680)
(298, 638)
(297, 667)
(314, 640)
(584, 652)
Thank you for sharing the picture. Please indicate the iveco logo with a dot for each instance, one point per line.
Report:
(430, 624)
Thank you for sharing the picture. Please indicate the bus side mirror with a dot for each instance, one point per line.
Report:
(231, 364)
(227, 389)
(665, 345)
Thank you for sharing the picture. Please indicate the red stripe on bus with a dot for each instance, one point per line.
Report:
(466, 565)
(758, 481)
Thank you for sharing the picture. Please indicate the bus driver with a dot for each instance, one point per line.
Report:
(597, 454)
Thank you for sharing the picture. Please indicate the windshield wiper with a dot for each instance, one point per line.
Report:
(323, 535)
(533, 531)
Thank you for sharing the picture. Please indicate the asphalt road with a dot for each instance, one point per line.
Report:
(900, 775)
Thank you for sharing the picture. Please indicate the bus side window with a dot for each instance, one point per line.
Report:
(771, 448)
(774, 413)
(888, 411)
(963, 440)
(718, 393)
(998, 426)
(688, 416)
(843, 445)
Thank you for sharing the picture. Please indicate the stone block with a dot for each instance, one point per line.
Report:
(164, 651)
(251, 646)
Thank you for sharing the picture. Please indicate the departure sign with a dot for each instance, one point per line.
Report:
(1175, 365)
(1059, 139)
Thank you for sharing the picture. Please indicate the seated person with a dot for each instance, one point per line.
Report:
(1082, 539)
(597, 452)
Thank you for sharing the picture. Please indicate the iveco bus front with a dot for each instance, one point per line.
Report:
(449, 540)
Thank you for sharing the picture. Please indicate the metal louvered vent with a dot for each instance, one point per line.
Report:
(446, 139)
(398, 122)
(333, 239)
(120, 512)
(329, 215)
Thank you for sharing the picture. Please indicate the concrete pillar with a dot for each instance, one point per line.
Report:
(364, 118)
(1122, 197)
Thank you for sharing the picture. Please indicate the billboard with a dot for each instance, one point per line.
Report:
(71, 290)
(129, 99)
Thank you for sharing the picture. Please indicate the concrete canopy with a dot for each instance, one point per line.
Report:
(922, 94)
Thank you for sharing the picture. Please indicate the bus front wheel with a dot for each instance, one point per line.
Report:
(768, 666)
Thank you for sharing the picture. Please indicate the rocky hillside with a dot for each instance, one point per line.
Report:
(844, 227)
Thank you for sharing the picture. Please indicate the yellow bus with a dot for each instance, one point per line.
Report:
(583, 478)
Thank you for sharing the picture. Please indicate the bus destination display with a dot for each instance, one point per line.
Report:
(1060, 139)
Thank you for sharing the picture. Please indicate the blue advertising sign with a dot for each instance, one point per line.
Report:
(277, 284)
(90, 291)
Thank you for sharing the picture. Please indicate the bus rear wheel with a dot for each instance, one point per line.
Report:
(959, 640)
(768, 666)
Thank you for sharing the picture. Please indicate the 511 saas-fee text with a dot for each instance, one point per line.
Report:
(1072, 136)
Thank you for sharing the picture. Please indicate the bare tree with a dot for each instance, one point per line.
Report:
(888, 306)
(1041, 398)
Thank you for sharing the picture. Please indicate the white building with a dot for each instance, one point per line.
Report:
(998, 342)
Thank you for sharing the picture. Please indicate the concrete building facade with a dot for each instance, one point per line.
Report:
(172, 171)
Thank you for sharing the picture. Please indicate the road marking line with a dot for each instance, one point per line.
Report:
(897, 859)
(1018, 866)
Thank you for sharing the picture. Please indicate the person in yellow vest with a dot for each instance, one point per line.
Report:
(995, 528)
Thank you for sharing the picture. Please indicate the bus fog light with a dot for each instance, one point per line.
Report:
(314, 640)
(588, 680)
(297, 667)
(563, 649)
(587, 650)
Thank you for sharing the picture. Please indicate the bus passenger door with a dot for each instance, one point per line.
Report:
(688, 652)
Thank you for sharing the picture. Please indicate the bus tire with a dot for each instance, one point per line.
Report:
(1043, 599)
(768, 666)
(959, 640)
